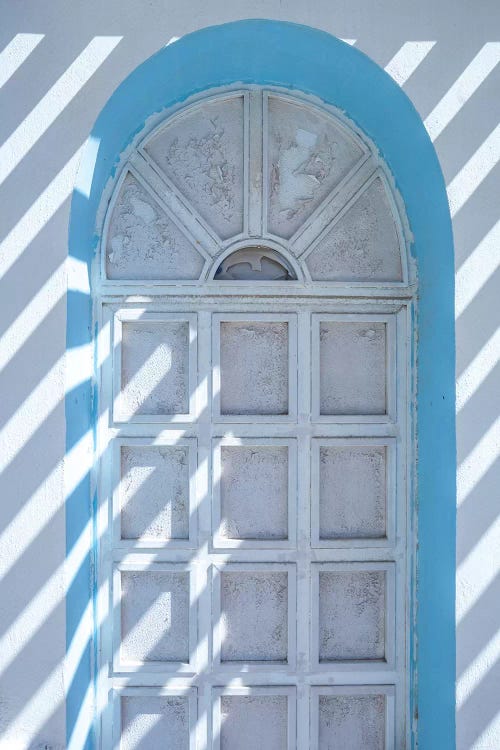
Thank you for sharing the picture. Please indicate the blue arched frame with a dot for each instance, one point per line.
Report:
(297, 57)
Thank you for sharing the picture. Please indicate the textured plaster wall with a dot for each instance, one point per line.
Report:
(55, 82)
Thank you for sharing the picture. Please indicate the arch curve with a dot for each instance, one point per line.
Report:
(253, 164)
(253, 262)
(292, 56)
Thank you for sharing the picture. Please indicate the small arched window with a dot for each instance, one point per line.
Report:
(255, 263)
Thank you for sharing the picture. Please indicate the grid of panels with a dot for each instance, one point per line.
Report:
(262, 538)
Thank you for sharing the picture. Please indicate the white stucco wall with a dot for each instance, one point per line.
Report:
(446, 56)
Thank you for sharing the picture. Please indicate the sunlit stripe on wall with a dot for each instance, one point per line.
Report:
(471, 677)
(54, 102)
(37, 710)
(33, 715)
(41, 401)
(464, 87)
(38, 214)
(476, 269)
(487, 738)
(22, 527)
(32, 315)
(36, 612)
(407, 59)
(479, 568)
(476, 169)
(480, 459)
(83, 725)
(478, 370)
(15, 53)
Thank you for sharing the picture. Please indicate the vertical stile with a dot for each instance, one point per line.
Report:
(304, 525)
(255, 164)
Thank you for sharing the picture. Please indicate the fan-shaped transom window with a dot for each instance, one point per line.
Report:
(261, 166)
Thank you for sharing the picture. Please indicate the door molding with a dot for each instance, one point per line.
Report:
(318, 64)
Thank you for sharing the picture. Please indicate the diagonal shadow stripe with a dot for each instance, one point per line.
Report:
(15, 53)
(466, 84)
(41, 117)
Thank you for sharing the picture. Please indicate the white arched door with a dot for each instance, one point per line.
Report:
(254, 313)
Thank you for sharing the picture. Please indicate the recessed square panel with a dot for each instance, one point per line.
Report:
(352, 367)
(354, 613)
(155, 622)
(257, 719)
(255, 604)
(154, 494)
(155, 722)
(352, 718)
(351, 491)
(254, 492)
(254, 482)
(154, 366)
(254, 367)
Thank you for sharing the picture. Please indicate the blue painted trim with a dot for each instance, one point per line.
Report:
(283, 54)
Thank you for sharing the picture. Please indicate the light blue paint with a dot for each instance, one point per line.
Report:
(292, 56)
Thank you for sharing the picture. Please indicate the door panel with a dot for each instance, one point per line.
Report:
(254, 439)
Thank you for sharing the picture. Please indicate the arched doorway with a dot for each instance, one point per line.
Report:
(255, 305)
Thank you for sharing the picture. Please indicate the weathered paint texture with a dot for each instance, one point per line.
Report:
(144, 243)
(154, 722)
(207, 153)
(154, 368)
(154, 617)
(362, 244)
(351, 616)
(250, 720)
(254, 492)
(340, 725)
(352, 492)
(254, 368)
(353, 368)
(254, 616)
(154, 493)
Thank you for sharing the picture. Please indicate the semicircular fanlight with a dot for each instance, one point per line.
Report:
(255, 263)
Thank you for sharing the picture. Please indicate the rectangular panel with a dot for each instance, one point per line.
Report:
(352, 718)
(227, 496)
(254, 615)
(353, 364)
(154, 492)
(155, 617)
(154, 719)
(255, 372)
(254, 368)
(352, 368)
(154, 366)
(353, 486)
(353, 614)
(246, 718)
(254, 492)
